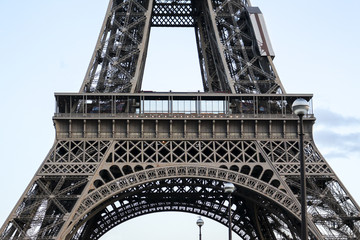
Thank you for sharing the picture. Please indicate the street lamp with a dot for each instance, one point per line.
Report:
(200, 223)
(300, 107)
(229, 188)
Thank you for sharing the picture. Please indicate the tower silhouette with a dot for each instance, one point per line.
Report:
(121, 153)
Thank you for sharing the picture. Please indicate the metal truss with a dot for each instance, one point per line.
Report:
(82, 157)
(231, 37)
(119, 58)
(116, 157)
(178, 13)
(200, 196)
(96, 185)
(45, 206)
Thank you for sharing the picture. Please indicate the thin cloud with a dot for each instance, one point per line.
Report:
(330, 135)
(331, 119)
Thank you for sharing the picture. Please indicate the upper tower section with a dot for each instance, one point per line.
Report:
(235, 53)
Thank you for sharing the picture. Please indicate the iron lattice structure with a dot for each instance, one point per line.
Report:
(121, 153)
(235, 53)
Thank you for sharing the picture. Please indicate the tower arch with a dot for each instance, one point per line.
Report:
(193, 189)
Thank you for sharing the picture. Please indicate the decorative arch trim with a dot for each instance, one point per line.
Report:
(101, 194)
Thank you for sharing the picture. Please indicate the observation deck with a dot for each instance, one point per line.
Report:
(178, 115)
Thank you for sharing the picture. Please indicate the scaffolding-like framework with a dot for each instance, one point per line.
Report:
(121, 153)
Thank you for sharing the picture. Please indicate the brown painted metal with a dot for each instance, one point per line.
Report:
(121, 153)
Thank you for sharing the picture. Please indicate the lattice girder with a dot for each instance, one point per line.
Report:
(172, 14)
(115, 157)
(45, 207)
(125, 157)
(120, 53)
(231, 56)
(262, 166)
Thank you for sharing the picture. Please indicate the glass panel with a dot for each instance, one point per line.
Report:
(146, 108)
(155, 106)
(181, 106)
(165, 106)
(212, 106)
(152, 106)
(190, 106)
(175, 106)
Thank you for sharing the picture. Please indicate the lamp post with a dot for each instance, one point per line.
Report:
(300, 107)
(229, 188)
(200, 223)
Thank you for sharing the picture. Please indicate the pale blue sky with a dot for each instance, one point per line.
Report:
(46, 46)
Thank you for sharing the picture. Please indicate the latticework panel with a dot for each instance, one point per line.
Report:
(115, 165)
(126, 157)
(187, 152)
(250, 71)
(285, 157)
(239, 65)
(171, 14)
(124, 165)
(332, 209)
(74, 157)
(44, 208)
(212, 65)
(120, 53)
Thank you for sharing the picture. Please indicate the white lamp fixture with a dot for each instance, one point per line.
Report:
(229, 188)
(200, 222)
(300, 106)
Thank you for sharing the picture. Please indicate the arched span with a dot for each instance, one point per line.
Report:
(119, 185)
(194, 195)
(251, 193)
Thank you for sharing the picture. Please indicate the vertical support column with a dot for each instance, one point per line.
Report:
(227, 79)
(270, 129)
(199, 129)
(84, 128)
(70, 131)
(185, 132)
(213, 129)
(284, 128)
(143, 47)
(113, 128)
(256, 129)
(304, 225)
(128, 128)
(156, 128)
(142, 129)
(99, 129)
(242, 129)
(229, 217)
(227, 128)
(203, 48)
(171, 129)
(93, 66)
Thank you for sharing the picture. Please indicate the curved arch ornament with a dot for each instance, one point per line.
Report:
(185, 171)
(170, 177)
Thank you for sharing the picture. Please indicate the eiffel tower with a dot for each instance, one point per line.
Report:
(120, 152)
